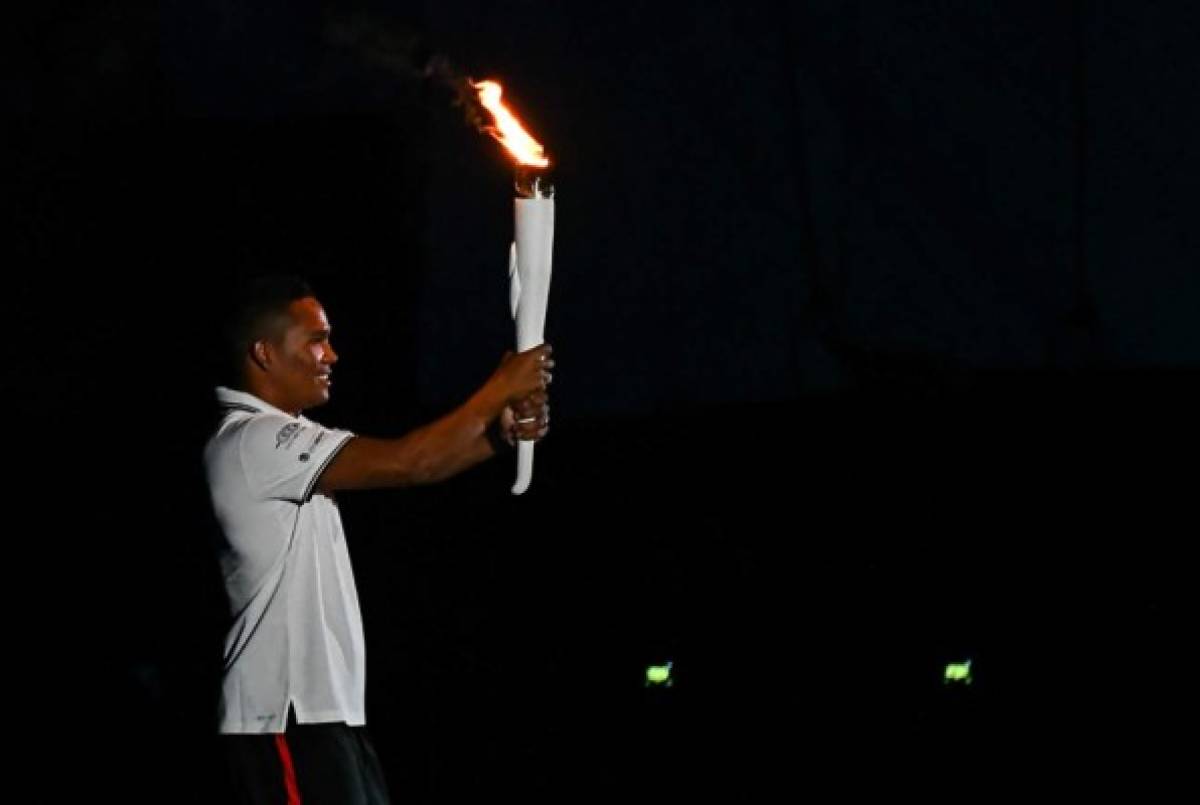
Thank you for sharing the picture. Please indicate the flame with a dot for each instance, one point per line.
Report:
(508, 131)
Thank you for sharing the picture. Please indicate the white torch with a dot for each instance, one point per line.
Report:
(530, 256)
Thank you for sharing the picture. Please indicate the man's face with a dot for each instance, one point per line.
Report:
(304, 357)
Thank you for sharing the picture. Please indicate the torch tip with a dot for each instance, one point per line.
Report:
(533, 182)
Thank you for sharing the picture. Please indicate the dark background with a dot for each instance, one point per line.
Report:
(877, 350)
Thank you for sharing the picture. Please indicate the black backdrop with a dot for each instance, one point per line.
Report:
(876, 343)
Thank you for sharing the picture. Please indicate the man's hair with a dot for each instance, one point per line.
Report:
(257, 310)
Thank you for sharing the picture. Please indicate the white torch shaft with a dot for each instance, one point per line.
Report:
(529, 270)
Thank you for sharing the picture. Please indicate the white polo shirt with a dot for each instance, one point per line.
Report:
(297, 634)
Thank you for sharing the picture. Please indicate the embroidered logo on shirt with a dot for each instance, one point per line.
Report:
(288, 434)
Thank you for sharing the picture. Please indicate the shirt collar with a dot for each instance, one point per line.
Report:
(236, 400)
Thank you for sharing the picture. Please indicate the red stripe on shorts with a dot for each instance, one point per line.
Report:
(289, 771)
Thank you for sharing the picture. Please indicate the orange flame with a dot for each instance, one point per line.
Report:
(508, 131)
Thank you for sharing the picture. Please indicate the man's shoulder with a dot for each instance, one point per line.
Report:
(261, 425)
(241, 429)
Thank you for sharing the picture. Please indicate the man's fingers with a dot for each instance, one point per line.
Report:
(532, 429)
(530, 413)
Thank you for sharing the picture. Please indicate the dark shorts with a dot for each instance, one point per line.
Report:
(309, 764)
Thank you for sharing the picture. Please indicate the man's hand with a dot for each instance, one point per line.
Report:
(520, 375)
(526, 420)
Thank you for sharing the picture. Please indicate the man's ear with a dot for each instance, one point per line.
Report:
(261, 355)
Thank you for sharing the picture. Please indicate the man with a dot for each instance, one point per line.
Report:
(292, 698)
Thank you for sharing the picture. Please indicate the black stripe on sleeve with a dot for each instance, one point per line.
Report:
(312, 482)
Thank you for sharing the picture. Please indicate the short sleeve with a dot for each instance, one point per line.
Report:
(283, 457)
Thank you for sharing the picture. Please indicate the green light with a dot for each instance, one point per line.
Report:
(659, 675)
(958, 672)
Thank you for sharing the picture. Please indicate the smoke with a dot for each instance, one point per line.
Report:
(405, 54)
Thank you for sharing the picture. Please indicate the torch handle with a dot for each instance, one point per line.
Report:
(524, 467)
(529, 277)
